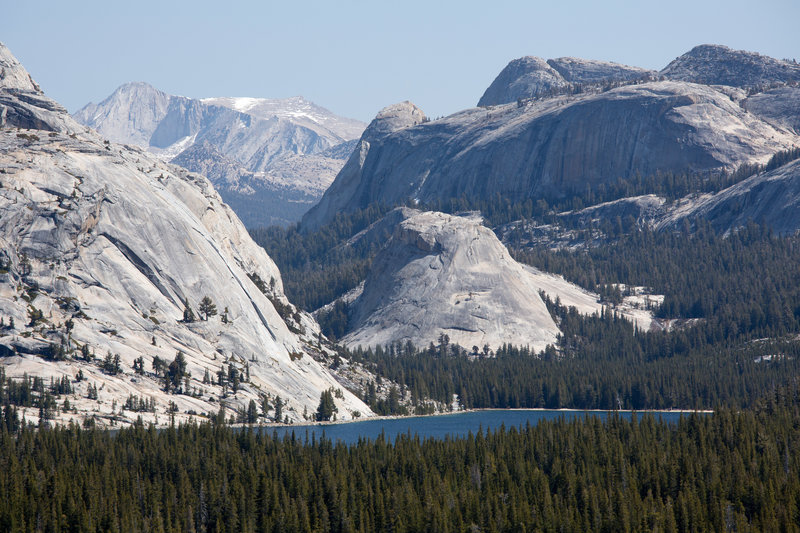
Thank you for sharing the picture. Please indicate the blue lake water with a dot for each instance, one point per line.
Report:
(441, 426)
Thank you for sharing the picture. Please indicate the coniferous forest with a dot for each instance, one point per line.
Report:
(730, 471)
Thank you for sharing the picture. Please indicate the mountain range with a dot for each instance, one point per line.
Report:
(560, 154)
(566, 139)
(554, 147)
(270, 159)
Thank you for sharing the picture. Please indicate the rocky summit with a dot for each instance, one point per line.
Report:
(257, 138)
(112, 260)
(530, 77)
(712, 64)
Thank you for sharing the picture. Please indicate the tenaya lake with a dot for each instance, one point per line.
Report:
(452, 425)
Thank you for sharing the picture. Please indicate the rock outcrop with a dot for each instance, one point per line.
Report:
(554, 148)
(530, 77)
(713, 64)
(447, 275)
(779, 106)
(257, 137)
(769, 198)
(104, 247)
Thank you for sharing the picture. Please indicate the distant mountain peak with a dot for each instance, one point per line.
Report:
(261, 140)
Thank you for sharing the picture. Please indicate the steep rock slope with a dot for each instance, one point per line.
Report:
(719, 65)
(779, 106)
(530, 76)
(102, 246)
(443, 274)
(552, 148)
(770, 198)
(256, 137)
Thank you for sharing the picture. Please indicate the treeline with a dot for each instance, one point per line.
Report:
(730, 471)
(600, 362)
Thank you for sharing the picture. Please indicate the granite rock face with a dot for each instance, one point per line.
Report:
(779, 106)
(114, 242)
(712, 64)
(13, 75)
(553, 148)
(769, 198)
(257, 137)
(444, 274)
(577, 70)
(530, 77)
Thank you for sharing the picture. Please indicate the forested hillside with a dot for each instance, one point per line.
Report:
(731, 471)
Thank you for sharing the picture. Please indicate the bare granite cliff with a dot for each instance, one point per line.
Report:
(103, 251)
(553, 148)
(448, 275)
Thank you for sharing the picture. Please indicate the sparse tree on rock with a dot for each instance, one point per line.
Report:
(188, 314)
(176, 372)
(207, 307)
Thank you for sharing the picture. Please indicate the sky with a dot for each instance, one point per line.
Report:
(355, 57)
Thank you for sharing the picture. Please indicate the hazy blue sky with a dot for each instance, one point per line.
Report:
(355, 57)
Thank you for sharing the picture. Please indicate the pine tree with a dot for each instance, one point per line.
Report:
(252, 412)
(188, 314)
(327, 407)
(278, 409)
(207, 307)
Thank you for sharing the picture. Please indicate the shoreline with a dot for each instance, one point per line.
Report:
(312, 423)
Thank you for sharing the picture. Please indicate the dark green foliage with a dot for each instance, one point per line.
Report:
(207, 307)
(111, 364)
(139, 405)
(252, 412)
(732, 470)
(316, 269)
(745, 285)
(34, 316)
(278, 409)
(601, 362)
(327, 407)
(159, 365)
(188, 314)
(333, 321)
(176, 372)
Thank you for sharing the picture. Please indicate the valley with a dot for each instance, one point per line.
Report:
(205, 277)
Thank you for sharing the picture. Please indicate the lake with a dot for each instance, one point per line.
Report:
(453, 425)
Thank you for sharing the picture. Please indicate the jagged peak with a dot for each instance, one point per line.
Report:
(393, 118)
(13, 75)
